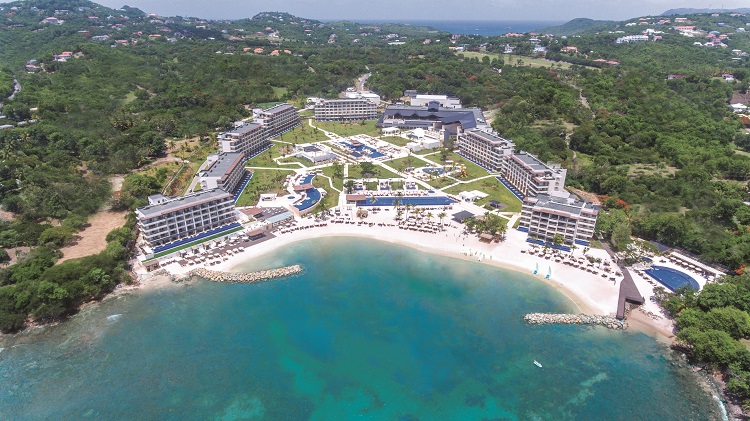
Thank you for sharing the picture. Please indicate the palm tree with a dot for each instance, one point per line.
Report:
(429, 216)
(442, 215)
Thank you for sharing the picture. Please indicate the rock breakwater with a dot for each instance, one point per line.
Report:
(245, 277)
(609, 322)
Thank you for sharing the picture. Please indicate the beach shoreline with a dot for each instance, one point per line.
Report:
(589, 293)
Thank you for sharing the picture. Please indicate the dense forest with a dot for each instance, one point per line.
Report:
(666, 155)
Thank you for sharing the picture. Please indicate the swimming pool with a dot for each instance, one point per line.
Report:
(671, 278)
(418, 201)
(433, 170)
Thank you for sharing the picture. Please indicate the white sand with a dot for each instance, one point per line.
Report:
(591, 293)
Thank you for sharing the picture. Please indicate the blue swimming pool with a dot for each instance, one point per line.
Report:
(433, 170)
(671, 278)
(419, 201)
(374, 154)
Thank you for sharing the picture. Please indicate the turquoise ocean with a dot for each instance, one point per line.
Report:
(370, 330)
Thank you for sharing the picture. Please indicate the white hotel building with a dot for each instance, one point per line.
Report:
(223, 171)
(278, 119)
(249, 138)
(345, 109)
(531, 176)
(166, 219)
(545, 215)
(488, 150)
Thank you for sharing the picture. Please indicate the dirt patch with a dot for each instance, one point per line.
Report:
(15, 253)
(92, 239)
(7, 216)
(587, 196)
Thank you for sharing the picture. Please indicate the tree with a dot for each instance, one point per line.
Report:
(558, 240)
(349, 185)
(368, 169)
(338, 170)
(713, 346)
(442, 215)
(57, 236)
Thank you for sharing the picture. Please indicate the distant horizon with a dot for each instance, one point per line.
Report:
(384, 10)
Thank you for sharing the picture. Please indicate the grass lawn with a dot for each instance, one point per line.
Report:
(337, 182)
(400, 164)
(130, 97)
(526, 61)
(495, 190)
(441, 182)
(396, 140)
(293, 160)
(472, 170)
(263, 181)
(322, 183)
(279, 92)
(266, 158)
(302, 134)
(355, 172)
(350, 129)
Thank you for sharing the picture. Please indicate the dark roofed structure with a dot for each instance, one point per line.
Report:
(431, 116)
(628, 293)
(460, 216)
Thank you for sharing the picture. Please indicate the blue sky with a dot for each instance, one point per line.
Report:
(551, 10)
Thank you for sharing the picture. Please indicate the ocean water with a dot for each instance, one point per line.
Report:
(370, 330)
(485, 28)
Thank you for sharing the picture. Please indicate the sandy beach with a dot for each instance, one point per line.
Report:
(591, 293)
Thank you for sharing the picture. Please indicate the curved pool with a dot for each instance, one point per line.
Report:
(672, 278)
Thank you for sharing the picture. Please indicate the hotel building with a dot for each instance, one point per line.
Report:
(249, 138)
(486, 149)
(545, 215)
(166, 219)
(531, 176)
(433, 117)
(277, 120)
(345, 109)
(224, 170)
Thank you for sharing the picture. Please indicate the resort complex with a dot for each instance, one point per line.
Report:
(394, 179)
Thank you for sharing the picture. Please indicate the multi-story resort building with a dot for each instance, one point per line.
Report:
(532, 177)
(224, 170)
(445, 101)
(486, 149)
(345, 109)
(249, 138)
(364, 94)
(432, 117)
(545, 215)
(278, 119)
(166, 219)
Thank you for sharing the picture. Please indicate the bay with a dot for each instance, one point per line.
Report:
(369, 330)
(474, 27)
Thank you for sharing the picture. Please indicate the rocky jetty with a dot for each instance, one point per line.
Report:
(609, 322)
(245, 277)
